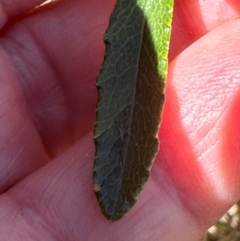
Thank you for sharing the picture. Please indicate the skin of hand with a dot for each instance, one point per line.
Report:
(49, 61)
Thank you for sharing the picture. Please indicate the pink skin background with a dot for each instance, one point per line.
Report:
(49, 61)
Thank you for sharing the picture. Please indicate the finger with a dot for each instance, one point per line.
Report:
(11, 8)
(21, 149)
(60, 84)
(195, 18)
(201, 119)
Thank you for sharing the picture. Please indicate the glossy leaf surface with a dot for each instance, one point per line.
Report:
(131, 96)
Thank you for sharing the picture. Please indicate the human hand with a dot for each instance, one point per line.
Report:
(49, 64)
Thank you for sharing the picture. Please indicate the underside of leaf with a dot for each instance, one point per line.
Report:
(131, 96)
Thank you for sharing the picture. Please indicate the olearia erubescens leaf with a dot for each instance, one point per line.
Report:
(131, 96)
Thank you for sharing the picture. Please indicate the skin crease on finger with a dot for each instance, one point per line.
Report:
(21, 149)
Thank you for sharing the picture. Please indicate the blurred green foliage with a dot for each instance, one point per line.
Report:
(227, 228)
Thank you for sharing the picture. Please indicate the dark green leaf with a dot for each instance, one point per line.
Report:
(130, 86)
